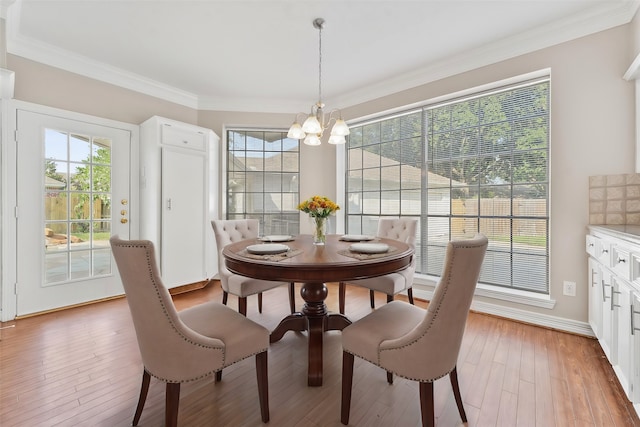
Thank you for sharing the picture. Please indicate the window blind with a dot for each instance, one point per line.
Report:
(263, 168)
(477, 164)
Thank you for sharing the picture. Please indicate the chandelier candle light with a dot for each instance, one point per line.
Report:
(313, 127)
(319, 208)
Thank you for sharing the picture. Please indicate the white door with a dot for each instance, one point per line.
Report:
(73, 188)
(184, 222)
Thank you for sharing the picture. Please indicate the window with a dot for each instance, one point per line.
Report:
(77, 206)
(263, 169)
(478, 164)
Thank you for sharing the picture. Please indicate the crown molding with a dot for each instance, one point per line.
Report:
(37, 51)
(554, 33)
(603, 18)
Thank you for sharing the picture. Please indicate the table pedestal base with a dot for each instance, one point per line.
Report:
(316, 319)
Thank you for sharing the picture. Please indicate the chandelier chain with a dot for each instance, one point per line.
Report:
(320, 65)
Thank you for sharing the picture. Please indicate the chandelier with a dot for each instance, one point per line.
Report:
(314, 125)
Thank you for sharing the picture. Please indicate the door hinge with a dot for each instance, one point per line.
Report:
(15, 211)
(15, 135)
(15, 288)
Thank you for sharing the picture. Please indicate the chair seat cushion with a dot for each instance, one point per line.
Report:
(393, 320)
(242, 337)
(389, 284)
(242, 286)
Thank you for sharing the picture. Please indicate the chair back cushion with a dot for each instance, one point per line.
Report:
(230, 231)
(170, 350)
(431, 349)
(402, 229)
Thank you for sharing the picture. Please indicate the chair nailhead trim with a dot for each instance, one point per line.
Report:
(164, 309)
(437, 310)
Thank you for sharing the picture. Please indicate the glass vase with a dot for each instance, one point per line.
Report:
(319, 230)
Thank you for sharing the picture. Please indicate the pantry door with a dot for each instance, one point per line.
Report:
(73, 189)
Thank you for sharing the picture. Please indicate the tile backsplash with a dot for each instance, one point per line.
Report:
(614, 199)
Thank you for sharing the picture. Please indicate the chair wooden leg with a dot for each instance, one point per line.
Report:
(389, 377)
(144, 389)
(426, 404)
(347, 381)
(225, 297)
(453, 376)
(242, 306)
(389, 298)
(263, 385)
(342, 294)
(292, 297)
(172, 401)
(219, 376)
(372, 299)
(259, 303)
(410, 295)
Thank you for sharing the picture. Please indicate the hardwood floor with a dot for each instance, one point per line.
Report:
(81, 367)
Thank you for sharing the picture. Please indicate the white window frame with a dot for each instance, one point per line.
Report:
(426, 283)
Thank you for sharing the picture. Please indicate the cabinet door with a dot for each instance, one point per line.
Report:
(621, 303)
(595, 298)
(606, 338)
(184, 207)
(634, 313)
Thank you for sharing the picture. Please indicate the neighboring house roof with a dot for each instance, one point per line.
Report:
(276, 162)
(409, 174)
(53, 184)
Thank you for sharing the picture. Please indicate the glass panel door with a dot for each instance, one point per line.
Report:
(73, 191)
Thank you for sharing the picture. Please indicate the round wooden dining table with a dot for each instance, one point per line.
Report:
(315, 265)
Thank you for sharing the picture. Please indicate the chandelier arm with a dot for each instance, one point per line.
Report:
(332, 117)
(298, 115)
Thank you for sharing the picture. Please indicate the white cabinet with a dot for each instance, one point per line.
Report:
(634, 314)
(614, 301)
(621, 306)
(595, 297)
(607, 326)
(178, 192)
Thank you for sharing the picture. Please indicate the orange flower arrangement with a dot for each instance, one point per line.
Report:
(318, 206)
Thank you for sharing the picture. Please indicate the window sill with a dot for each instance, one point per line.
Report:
(494, 292)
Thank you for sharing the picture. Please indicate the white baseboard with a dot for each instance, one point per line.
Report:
(538, 319)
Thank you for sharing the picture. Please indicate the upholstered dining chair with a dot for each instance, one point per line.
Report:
(417, 344)
(404, 230)
(178, 347)
(234, 230)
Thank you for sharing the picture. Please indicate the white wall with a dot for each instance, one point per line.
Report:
(592, 130)
(592, 133)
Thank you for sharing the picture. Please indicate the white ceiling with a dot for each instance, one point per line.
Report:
(262, 55)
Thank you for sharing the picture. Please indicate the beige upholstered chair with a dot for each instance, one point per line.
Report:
(417, 344)
(177, 347)
(404, 230)
(230, 231)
